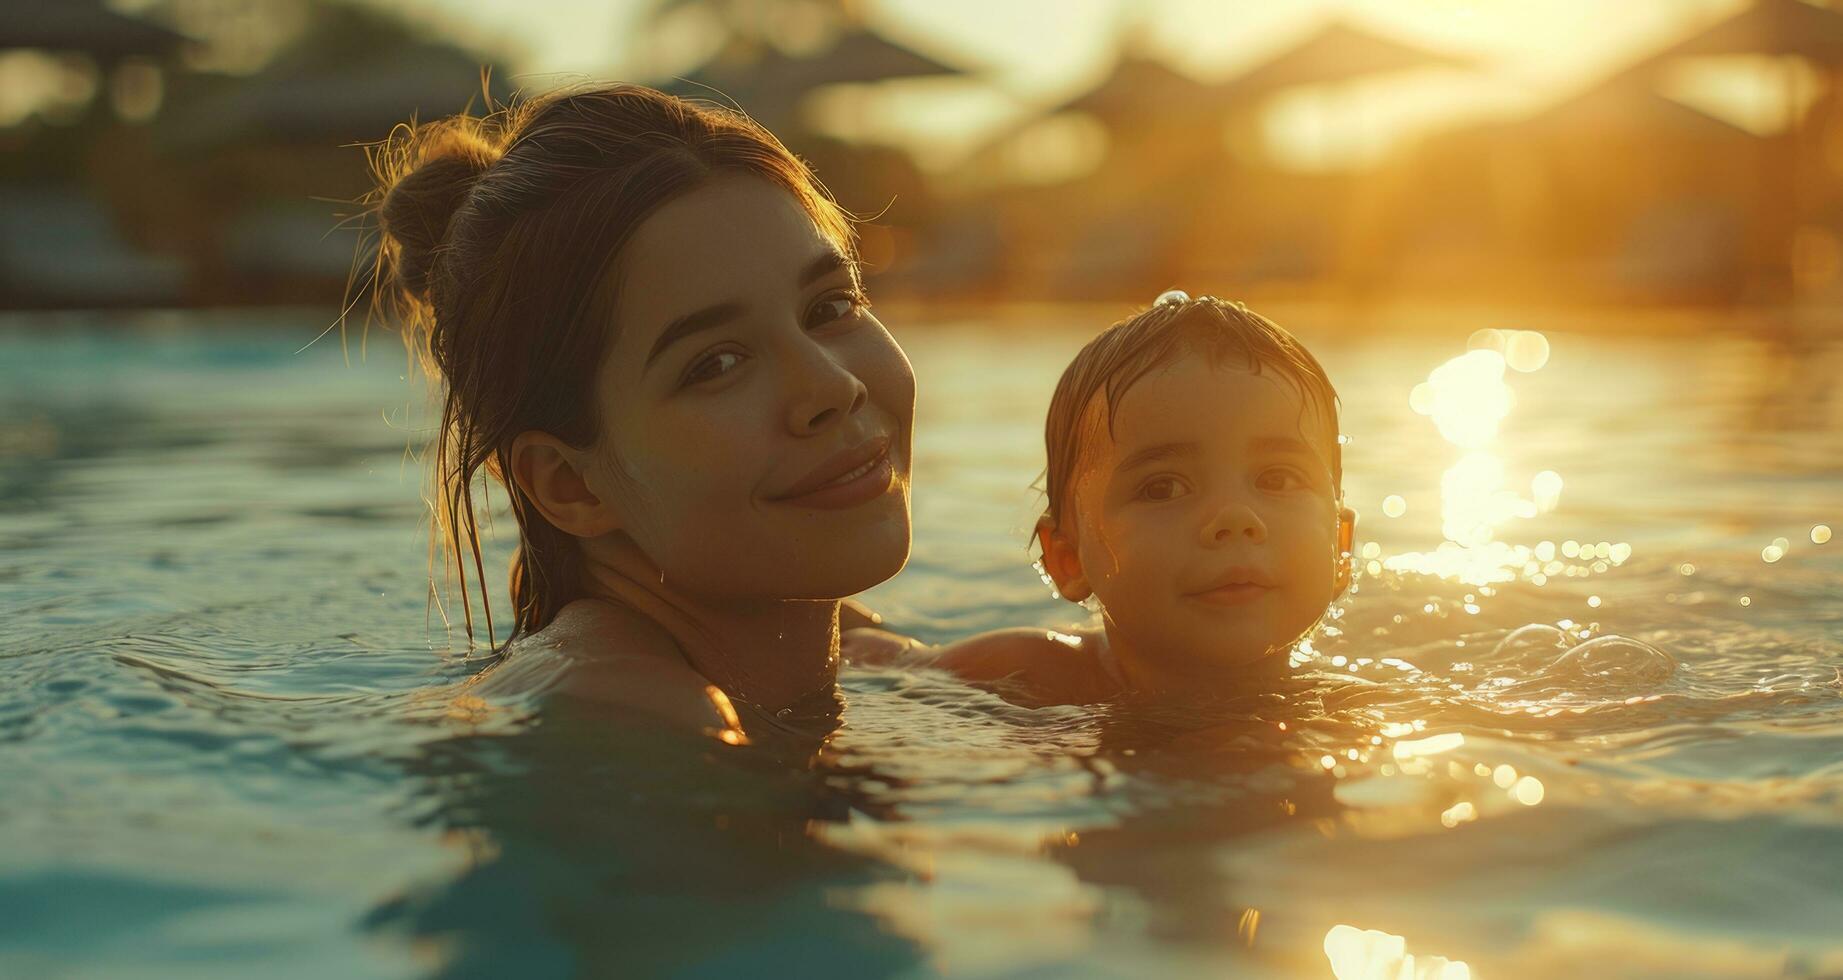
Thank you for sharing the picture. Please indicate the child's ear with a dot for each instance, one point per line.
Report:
(551, 476)
(1061, 562)
(1346, 546)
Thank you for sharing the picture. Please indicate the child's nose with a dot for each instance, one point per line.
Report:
(1234, 521)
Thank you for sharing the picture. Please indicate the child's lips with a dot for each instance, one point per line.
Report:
(1237, 586)
(1235, 594)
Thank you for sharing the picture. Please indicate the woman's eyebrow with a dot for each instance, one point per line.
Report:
(690, 323)
(829, 262)
(715, 316)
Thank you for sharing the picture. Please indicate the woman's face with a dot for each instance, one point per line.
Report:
(756, 418)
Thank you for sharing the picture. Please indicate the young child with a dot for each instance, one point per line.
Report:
(1194, 492)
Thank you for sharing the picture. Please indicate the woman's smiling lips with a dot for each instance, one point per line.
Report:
(852, 477)
(1237, 586)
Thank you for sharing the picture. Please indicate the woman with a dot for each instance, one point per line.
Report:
(651, 329)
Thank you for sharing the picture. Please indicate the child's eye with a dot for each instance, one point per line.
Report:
(712, 365)
(1162, 488)
(836, 307)
(1281, 478)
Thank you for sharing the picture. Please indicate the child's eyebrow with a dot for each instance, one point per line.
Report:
(1150, 454)
(1281, 444)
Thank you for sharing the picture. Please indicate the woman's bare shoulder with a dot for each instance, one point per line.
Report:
(600, 652)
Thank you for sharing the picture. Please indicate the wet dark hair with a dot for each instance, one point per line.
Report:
(498, 238)
(1122, 354)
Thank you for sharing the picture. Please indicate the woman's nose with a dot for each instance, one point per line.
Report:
(1234, 521)
(825, 392)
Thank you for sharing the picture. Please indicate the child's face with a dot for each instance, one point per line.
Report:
(1207, 524)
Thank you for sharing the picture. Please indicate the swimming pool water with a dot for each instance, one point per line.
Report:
(231, 741)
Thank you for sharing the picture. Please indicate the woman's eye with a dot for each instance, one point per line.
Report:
(712, 365)
(1281, 478)
(835, 308)
(1162, 488)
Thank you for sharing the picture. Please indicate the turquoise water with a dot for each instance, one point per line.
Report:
(231, 742)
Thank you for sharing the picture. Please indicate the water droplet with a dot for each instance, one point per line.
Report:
(1746, 600)
(1820, 534)
(1594, 601)
(1172, 297)
(1771, 553)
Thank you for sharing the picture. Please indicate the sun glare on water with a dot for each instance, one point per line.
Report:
(1370, 954)
(1468, 398)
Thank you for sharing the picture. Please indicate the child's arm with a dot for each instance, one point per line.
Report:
(1048, 665)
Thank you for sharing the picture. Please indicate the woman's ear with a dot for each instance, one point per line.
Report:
(551, 476)
(1061, 562)
(1346, 547)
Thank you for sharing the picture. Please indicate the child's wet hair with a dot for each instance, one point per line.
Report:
(1102, 373)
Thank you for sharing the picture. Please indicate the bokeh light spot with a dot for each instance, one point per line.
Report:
(1526, 351)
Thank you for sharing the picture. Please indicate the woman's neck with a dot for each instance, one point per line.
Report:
(768, 653)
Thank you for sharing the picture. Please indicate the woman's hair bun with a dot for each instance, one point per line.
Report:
(437, 165)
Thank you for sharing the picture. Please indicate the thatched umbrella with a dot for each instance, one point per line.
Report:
(770, 82)
(1142, 90)
(1810, 31)
(1335, 55)
(1339, 52)
(1619, 107)
(1794, 27)
(311, 104)
(82, 25)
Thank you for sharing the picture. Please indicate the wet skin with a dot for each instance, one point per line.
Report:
(753, 463)
(1206, 521)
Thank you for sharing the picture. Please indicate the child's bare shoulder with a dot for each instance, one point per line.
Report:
(1026, 651)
